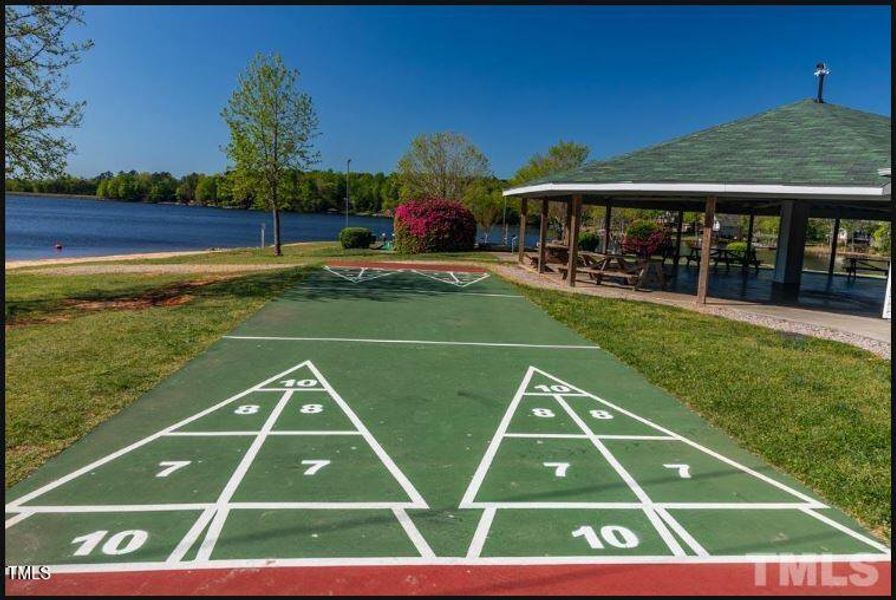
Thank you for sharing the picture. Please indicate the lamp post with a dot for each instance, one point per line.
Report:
(348, 164)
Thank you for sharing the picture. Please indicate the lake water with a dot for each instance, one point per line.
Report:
(85, 227)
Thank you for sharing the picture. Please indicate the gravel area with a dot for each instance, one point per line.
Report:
(531, 278)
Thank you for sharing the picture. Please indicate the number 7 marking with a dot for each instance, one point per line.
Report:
(171, 466)
(684, 471)
(316, 465)
(559, 466)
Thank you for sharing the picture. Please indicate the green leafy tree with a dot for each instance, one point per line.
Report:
(484, 199)
(272, 124)
(206, 189)
(440, 165)
(560, 157)
(38, 53)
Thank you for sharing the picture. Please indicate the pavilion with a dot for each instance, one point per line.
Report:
(801, 160)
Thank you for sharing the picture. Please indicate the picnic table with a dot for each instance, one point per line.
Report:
(717, 254)
(636, 272)
(554, 253)
(853, 262)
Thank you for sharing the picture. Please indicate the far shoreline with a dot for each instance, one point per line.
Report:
(170, 203)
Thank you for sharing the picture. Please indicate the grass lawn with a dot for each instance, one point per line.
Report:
(69, 369)
(81, 347)
(818, 410)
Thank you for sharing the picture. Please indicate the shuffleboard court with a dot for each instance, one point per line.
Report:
(425, 420)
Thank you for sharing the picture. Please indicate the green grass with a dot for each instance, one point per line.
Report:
(299, 254)
(64, 378)
(818, 410)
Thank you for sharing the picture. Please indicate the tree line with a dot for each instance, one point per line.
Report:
(312, 191)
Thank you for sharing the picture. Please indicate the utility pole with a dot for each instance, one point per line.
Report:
(348, 165)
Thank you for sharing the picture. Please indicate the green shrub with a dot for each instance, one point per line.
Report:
(356, 237)
(589, 241)
(642, 230)
(737, 246)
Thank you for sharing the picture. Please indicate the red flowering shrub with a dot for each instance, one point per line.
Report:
(433, 226)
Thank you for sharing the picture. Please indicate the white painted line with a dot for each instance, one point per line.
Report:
(297, 432)
(695, 546)
(458, 292)
(635, 437)
(492, 449)
(691, 443)
(552, 394)
(376, 505)
(371, 505)
(387, 461)
(422, 342)
(17, 518)
(455, 282)
(86, 469)
(359, 278)
(192, 535)
(268, 389)
(211, 536)
(559, 436)
(633, 485)
(208, 433)
(413, 533)
(116, 508)
(261, 563)
(738, 505)
(854, 534)
(556, 505)
(481, 533)
(214, 530)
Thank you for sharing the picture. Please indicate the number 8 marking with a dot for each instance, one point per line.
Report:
(545, 413)
(311, 409)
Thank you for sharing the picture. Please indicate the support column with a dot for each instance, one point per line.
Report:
(791, 246)
(750, 233)
(606, 240)
(568, 222)
(574, 240)
(678, 238)
(709, 217)
(835, 233)
(542, 234)
(521, 240)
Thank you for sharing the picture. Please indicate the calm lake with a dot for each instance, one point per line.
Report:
(85, 227)
(34, 224)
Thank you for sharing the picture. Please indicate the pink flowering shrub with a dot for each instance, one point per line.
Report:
(433, 226)
(645, 239)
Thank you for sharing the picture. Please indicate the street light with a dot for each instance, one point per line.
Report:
(348, 164)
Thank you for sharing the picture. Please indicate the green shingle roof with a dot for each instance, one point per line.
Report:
(804, 143)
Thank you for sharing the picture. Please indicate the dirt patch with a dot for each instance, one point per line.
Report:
(173, 295)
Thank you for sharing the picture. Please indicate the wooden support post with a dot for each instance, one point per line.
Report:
(574, 240)
(606, 240)
(835, 233)
(542, 235)
(750, 233)
(521, 240)
(709, 217)
(568, 222)
(678, 237)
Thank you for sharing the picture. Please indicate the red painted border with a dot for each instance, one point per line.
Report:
(635, 579)
(403, 265)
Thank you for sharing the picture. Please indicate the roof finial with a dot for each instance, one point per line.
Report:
(821, 70)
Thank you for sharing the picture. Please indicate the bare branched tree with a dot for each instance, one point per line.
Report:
(440, 165)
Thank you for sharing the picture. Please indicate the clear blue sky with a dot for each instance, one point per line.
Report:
(513, 79)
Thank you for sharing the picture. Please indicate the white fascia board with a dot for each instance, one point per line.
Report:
(885, 172)
(719, 189)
